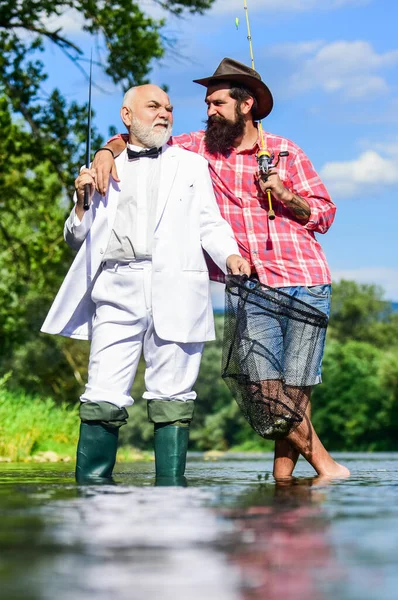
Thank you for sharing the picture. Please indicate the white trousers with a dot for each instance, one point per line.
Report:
(123, 328)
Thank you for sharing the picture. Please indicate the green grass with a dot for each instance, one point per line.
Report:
(35, 428)
(30, 425)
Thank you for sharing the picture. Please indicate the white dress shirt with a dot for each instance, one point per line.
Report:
(132, 232)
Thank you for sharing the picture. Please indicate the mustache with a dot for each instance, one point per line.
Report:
(161, 122)
(217, 119)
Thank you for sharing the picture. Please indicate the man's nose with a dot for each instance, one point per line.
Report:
(164, 114)
(211, 110)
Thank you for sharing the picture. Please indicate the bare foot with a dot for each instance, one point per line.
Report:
(334, 471)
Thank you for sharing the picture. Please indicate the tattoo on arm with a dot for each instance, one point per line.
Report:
(299, 207)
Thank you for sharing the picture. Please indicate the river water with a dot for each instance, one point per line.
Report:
(230, 533)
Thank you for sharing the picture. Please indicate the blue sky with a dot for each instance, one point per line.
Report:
(332, 66)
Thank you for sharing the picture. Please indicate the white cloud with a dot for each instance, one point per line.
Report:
(386, 277)
(348, 68)
(387, 146)
(70, 21)
(361, 175)
(231, 6)
(295, 50)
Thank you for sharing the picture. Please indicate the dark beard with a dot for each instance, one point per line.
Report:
(221, 134)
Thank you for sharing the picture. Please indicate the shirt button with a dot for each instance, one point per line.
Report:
(101, 250)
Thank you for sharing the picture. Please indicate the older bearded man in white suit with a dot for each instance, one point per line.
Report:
(139, 283)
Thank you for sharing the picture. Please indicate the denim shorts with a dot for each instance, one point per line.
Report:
(280, 351)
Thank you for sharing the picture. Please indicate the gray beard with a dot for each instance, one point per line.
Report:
(148, 136)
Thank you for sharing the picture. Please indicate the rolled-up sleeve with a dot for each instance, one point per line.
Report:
(307, 184)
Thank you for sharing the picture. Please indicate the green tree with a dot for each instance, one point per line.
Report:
(356, 406)
(360, 312)
(33, 259)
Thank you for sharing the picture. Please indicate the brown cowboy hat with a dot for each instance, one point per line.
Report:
(235, 72)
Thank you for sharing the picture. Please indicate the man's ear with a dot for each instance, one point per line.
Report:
(246, 105)
(125, 114)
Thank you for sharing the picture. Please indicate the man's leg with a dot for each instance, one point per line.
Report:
(116, 346)
(286, 455)
(171, 372)
(306, 441)
(98, 438)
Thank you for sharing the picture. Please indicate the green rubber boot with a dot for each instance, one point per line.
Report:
(171, 419)
(96, 452)
(171, 482)
(171, 446)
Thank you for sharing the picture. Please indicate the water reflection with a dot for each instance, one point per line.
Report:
(285, 542)
(220, 535)
(138, 539)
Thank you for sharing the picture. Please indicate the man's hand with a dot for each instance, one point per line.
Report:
(104, 164)
(86, 176)
(273, 183)
(238, 265)
(297, 205)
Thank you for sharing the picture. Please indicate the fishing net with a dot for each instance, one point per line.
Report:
(273, 345)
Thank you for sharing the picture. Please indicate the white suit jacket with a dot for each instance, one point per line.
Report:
(187, 220)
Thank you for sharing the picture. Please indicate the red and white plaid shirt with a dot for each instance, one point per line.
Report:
(284, 252)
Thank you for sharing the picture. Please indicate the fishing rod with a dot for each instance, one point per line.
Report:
(86, 202)
(264, 156)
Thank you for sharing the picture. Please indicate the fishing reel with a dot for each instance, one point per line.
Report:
(265, 160)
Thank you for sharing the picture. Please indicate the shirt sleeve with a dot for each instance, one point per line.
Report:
(75, 230)
(187, 141)
(307, 184)
(118, 136)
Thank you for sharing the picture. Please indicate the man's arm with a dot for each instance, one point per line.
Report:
(307, 199)
(79, 222)
(216, 234)
(298, 206)
(104, 162)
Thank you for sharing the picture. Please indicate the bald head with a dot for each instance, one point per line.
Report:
(144, 93)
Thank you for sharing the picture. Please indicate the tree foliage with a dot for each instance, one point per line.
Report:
(356, 406)
(360, 312)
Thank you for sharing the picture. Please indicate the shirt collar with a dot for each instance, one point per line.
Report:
(136, 148)
(254, 149)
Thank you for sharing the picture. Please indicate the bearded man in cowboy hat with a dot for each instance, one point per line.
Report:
(284, 252)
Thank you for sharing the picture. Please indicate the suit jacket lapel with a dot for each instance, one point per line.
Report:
(168, 170)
